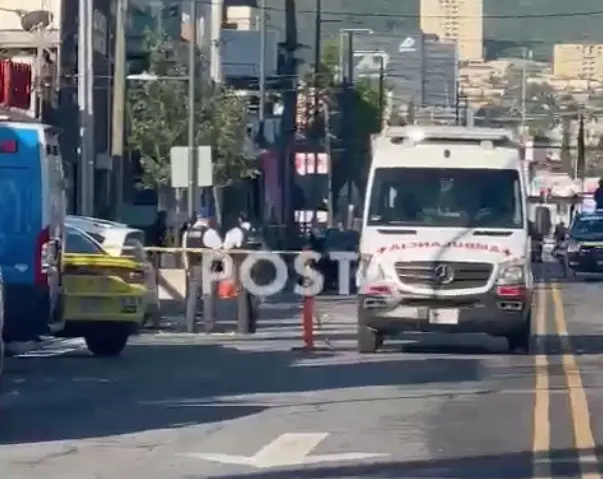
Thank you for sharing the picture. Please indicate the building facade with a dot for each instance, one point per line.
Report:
(54, 51)
(418, 68)
(576, 60)
(456, 20)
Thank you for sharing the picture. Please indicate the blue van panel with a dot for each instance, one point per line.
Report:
(20, 204)
(26, 304)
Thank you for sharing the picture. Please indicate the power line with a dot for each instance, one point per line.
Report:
(350, 13)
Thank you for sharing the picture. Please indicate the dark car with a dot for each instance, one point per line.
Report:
(583, 248)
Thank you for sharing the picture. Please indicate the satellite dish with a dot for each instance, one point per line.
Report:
(31, 21)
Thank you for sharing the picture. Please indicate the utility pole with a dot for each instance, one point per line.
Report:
(348, 99)
(119, 99)
(340, 70)
(524, 55)
(192, 83)
(580, 168)
(262, 79)
(317, 52)
(216, 38)
(330, 205)
(86, 107)
(381, 88)
(40, 32)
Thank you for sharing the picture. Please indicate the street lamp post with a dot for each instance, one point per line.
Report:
(349, 32)
(192, 80)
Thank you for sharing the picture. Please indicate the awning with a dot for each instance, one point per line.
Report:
(16, 39)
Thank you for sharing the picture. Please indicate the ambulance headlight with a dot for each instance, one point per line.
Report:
(512, 272)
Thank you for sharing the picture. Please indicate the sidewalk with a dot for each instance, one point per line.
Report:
(280, 318)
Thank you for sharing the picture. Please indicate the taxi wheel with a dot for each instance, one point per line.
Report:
(107, 344)
(2, 351)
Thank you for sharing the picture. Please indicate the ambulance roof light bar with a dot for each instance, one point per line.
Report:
(412, 135)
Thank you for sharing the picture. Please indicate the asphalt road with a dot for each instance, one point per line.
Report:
(442, 407)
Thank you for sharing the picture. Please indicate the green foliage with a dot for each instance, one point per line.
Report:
(361, 115)
(158, 119)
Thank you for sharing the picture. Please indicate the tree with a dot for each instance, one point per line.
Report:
(363, 117)
(158, 119)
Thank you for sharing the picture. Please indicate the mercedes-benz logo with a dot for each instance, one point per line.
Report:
(443, 274)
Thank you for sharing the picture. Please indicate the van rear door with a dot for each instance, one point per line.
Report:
(20, 213)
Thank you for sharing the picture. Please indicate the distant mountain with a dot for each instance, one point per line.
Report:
(537, 24)
(560, 21)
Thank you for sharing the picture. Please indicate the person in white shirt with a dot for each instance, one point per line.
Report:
(203, 234)
(237, 238)
(211, 237)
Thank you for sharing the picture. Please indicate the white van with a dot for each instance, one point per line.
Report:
(444, 244)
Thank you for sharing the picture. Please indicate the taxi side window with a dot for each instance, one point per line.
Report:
(77, 243)
(133, 246)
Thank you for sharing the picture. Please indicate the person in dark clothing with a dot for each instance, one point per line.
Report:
(574, 206)
(560, 235)
(158, 237)
(159, 230)
(186, 225)
(560, 232)
(598, 196)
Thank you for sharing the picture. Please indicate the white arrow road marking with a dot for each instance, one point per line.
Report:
(290, 449)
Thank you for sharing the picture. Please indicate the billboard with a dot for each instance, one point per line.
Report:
(418, 68)
(240, 52)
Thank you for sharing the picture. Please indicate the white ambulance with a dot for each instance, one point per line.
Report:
(445, 244)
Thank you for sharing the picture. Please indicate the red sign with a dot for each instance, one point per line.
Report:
(15, 84)
(473, 246)
(311, 163)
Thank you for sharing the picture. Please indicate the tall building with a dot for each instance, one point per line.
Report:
(458, 20)
(576, 60)
(418, 68)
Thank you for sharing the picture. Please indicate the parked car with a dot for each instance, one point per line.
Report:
(119, 240)
(105, 296)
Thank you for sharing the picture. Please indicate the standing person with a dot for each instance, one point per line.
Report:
(598, 196)
(158, 237)
(202, 234)
(185, 226)
(574, 207)
(560, 235)
(159, 230)
(241, 237)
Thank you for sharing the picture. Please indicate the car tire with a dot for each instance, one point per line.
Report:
(2, 353)
(520, 340)
(368, 340)
(107, 344)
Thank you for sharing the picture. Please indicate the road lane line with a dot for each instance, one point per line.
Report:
(541, 465)
(583, 434)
